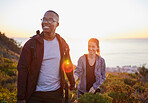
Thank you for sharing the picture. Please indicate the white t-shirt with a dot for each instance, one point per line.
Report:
(49, 77)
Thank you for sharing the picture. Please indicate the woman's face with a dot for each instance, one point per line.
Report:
(92, 48)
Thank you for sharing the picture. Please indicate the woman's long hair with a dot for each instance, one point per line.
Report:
(95, 40)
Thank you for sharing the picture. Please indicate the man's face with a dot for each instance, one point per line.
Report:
(92, 48)
(50, 22)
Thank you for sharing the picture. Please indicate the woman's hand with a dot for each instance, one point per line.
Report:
(92, 90)
(75, 77)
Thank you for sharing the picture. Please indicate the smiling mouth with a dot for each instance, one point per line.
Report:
(45, 27)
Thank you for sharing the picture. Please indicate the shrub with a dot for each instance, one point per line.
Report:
(144, 72)
(9, 80)
(11, 72)
(72, 95)
(94, 98)
(132, 75)
(6, 96)
(129, 81)
(121, 93)
(3, 82)
(139, 88)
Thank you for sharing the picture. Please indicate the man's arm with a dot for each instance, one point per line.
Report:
(70, 75)
(23, 65)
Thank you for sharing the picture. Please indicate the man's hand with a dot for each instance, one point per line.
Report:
(21, 101)
(71, 88)
(92, 90)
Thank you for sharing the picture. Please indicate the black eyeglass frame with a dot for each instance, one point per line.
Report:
(50, 20)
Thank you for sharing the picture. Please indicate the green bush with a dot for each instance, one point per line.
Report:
(139, 88)
(144, 72)
(6, 96)
(129, 81)
(11, 72)
(132, 75)
(121, 93)
(94, 98)
(72, 95)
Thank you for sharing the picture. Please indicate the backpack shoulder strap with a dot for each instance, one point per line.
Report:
(33, 45)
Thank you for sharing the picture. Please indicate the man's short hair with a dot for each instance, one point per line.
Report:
(53, 12)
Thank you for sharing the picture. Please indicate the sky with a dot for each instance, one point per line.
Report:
(105, 19)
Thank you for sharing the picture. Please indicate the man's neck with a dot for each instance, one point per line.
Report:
(48, 36)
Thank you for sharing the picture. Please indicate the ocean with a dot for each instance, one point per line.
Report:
(116, 52)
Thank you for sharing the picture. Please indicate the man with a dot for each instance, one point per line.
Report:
(40, 67)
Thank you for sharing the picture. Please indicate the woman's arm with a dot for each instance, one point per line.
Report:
(100, 79)
(103, 72)
(78, 71)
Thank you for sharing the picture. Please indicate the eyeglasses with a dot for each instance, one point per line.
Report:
(50, 20)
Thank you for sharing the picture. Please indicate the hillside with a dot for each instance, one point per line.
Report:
(9, 55)
(9, 48)
(117, 88)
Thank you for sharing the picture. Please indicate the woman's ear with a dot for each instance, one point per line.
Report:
(98, 50)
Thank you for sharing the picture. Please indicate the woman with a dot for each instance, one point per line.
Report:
(90, 69)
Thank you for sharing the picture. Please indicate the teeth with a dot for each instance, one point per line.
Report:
(45, 27)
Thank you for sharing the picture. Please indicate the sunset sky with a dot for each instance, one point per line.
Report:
(78, 18)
